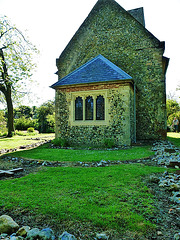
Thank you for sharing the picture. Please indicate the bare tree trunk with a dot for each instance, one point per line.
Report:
(10, 122)
(6, 90)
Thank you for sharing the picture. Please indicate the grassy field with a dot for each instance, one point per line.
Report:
(174, 138)
(16, 141)
(114, 197)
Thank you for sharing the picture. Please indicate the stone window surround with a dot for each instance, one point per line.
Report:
(84, 95)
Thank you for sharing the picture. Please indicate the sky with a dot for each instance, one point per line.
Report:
(51, 24)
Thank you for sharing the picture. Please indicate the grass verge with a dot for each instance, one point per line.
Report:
(17, 141)
(174, 138)
(113, 198)
(64, 155)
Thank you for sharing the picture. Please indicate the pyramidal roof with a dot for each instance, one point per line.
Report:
(97, 70)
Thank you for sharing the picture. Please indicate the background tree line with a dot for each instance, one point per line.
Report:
(40, 118)
(173, 110)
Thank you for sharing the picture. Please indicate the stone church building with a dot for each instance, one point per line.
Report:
(111, 80)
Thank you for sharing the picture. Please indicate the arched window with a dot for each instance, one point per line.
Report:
(100, 108)
(89, 108)
(78, 108)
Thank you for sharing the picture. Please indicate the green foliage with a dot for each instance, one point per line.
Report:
(50, 122)
(109, 143)
(60, 142)
(23, 111)
(19, 54)
(30, 130)
(113, 198)
(42, 118)
(172, 107)
(46, 117)
(24, 123)
(16, 65)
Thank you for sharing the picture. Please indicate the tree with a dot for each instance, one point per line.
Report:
(44, 112)
(172, 107)
(23, 111)
(16, 64)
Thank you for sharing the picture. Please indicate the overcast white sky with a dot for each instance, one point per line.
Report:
(51, 25)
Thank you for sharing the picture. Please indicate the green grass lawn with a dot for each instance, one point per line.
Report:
(174, 138)
(70, 155)
(16, 141)
(113, 197)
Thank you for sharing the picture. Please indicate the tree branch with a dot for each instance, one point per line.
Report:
(3, 33)
(4, 68)
(2, 89)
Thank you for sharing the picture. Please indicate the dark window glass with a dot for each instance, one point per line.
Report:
(78, 108)
(100, 108)
(89, 108)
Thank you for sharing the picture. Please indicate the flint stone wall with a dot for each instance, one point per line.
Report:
(111, 31)
(120, 114)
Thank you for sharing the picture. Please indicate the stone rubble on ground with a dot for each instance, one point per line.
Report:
(166, 154)
(10, 230)
(33, 145)
(7, 224)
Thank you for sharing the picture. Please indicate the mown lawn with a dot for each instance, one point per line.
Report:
(113, 197)
(17, 141)
(46, 153)
(174, 138)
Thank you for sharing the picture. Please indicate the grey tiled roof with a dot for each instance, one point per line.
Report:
(99, 69)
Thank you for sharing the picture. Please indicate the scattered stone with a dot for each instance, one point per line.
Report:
(10, 172)
(33, 234)
(67, 236)
(170, 181)
(23, 231)
(177, 236)
(101, 236)
(7, 224)
(159, 233)
(176, 197)
(153, 178)
(47, 234)
(33, 145)
(166, 154)
(3, 235)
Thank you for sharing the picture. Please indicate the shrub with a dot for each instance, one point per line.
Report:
(109, 143)
(30, 129)
(24, 123)
(3, 134)
(26, 133)
(60, 142)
